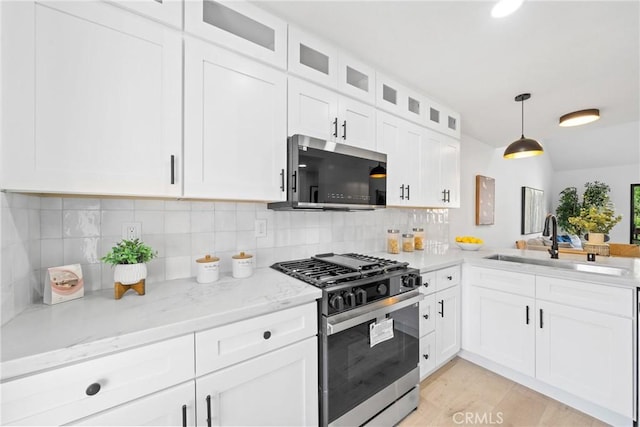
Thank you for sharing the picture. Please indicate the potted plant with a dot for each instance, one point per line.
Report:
(129, 258)
(568, 206)
(597, 220)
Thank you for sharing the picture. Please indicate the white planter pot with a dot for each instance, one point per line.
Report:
(128, 274)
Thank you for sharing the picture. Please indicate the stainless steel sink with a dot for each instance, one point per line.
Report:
(576, 266)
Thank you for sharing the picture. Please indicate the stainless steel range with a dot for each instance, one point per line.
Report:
(368, 340)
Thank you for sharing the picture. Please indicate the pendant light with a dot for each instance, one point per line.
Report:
(378, 172)
(523, 147)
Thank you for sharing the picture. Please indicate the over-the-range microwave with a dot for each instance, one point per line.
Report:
(332, 176)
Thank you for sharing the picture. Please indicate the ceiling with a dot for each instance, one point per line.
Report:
(570, 55)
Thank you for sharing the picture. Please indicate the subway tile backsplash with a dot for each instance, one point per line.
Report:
(41, 231)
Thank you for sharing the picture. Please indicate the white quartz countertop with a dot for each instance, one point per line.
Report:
(45, 336)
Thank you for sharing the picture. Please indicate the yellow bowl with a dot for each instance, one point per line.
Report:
(469, 246)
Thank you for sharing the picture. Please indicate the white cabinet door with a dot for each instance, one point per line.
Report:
(427, 315)
(276, 389)
(441, 164)
(172, 407)
(312, 58)
(241, 26)
(96, 107)
(450, 171)
(586, 353)
(447, 324)
(503, 328)
(235, 126)
(357, 123)
(166, 11)
(312, 110)
(356, 78)
(427, 354)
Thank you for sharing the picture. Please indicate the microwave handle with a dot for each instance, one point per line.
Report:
(351, 318)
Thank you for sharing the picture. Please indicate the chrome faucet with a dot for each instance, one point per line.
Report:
(554, 238)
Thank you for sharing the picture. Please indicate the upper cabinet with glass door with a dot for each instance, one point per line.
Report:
(240, 26)
(398, 99)
(322, 63)
(442, 119)
(166, 11)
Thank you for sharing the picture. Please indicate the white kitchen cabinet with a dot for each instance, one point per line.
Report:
(441, 155)
(69, 393)
(397, 99)
(356, 79)
(166, 11)
(240, 26)
(171, 407)
(279, 388)
(586, 353)
(442, 119)
(95, 101)
(401, 141)
(439, 318)
(323, 113)
(235, 126)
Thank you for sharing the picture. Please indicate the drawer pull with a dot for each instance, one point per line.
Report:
(184, 415)
(266, 335)
(426, 356)
(425, 284)
(426, 316)
(93, 389)
(209, 410)
(449, 277)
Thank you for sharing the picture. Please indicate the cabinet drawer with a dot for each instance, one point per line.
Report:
(428, 283)
(60, 396)
(226, 345)
(447, 277)
(427, 314)
(505, 281)
(427, 354)
(604, 298)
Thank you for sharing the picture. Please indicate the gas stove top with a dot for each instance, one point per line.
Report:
(352, 280)
(329, 269)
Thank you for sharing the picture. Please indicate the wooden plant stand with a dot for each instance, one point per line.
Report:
(119, 289)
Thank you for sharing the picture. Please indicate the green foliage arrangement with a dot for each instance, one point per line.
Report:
(596, 219)
(129, 252)
(568, 206)
(595, 194)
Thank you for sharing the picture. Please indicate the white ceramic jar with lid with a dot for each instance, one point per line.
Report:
(242, 265)
(208, 269)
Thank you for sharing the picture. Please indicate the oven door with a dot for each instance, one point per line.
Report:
(361, 357)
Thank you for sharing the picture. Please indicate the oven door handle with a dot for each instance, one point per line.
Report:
(351, 318)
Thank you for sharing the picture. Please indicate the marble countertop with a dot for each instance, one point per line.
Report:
(45, 336)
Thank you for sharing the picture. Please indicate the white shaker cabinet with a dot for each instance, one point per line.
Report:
(166, 11)
(241, 26)
(94, 104)
(275, 389)
(171, 407)
(441, 159)
(323, 113)
(447, 324)
(235, 126)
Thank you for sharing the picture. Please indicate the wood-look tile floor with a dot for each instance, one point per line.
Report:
(462, 393)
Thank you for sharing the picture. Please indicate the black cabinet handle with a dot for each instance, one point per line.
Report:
(426, 316)
(402, 192)
(344, 130)
(425, 284)
(282, 179)
(335, 127)
(209, 410)
(527, 317)
(426, 356)
(444, 195)
(294, 187)
(449, 277)
(407, 191)
(448, 196)
(93, 389)
(173, 169)
(266, 335)
(441, 312)
(184, 415)
(541, 322)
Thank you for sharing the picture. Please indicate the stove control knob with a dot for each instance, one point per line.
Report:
(361, 297)
(349, 299)
(409, 281)
(382, 289)
(336, 302)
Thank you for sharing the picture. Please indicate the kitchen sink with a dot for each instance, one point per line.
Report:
(587, 268)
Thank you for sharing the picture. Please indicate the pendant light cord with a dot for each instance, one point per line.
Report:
(522, 119)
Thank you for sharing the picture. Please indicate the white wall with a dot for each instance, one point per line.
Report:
(478, 158)
(619, 178)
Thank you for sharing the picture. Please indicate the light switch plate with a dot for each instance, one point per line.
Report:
(261, 228)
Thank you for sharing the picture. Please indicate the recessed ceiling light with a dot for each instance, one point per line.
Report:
(581, 117)
(505, 7)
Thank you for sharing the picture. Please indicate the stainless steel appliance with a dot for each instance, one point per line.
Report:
(369, 338)
(332, 176)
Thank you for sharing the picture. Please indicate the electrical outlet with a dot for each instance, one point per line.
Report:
(131, 230)
(261, 228)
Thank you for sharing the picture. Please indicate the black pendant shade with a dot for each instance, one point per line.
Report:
(523, 147)
(378, 172)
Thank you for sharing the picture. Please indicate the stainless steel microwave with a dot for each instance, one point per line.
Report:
(332, 176)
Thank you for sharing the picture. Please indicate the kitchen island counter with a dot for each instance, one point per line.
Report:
(43, 337)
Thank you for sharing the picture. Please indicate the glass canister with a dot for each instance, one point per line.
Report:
(407, 242)
(393, 241)
(418, 239)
